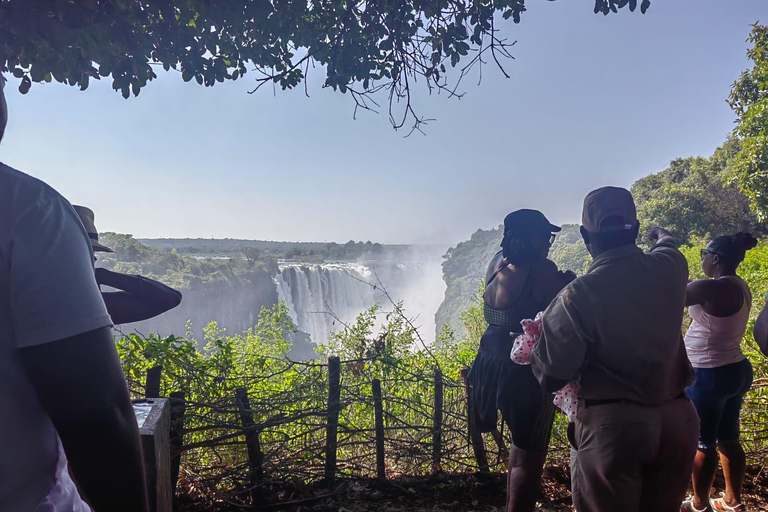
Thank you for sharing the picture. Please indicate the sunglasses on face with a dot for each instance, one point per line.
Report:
(551, 237)
(703, 253)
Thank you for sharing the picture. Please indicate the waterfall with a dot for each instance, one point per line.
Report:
(317, 294)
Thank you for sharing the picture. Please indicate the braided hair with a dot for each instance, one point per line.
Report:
(517, 248)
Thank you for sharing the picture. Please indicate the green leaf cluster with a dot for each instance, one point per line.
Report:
(288, 400)
(180, 271)
(749, 100)
(74, 42)
(694, 199)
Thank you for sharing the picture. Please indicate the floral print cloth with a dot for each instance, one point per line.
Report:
(567, 399)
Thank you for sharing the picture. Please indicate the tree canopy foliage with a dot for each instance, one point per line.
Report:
(177, 270)
(693, 199)
(749, 100)
(463, 271)
(362, 46)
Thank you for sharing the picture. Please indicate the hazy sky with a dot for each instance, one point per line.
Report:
(591, 101)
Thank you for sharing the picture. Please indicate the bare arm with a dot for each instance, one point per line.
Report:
(702, 291)
(140, 298)
(659, 235)
(82, 388)
(719, 298)
(761, 331)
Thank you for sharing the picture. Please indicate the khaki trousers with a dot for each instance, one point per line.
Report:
(630, 458)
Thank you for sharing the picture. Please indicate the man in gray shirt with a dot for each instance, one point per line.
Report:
(64, 404)
(617, 330)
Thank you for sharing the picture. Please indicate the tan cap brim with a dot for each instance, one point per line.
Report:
(97, 247)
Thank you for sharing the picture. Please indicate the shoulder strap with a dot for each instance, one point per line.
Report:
(527, 286)
(493, 276)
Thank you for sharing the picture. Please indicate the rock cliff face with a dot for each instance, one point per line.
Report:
(234, 304)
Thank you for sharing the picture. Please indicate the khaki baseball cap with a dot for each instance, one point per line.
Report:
(87, 218)
(608, 202)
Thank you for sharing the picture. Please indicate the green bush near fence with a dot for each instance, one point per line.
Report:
(289, 401)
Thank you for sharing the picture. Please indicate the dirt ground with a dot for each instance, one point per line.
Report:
(470, 492)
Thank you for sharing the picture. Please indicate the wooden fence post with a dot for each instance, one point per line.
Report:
(152, 386)
(437, 423)
(476, 439)
(176, 437)
(379, 416)
(252, 441)
(334, 406)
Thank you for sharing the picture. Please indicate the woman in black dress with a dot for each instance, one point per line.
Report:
(520, 283)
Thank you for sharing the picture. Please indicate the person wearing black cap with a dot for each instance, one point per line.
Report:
(617, 330)
(520, 283)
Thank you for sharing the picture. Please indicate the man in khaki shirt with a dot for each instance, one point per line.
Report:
(617, 330)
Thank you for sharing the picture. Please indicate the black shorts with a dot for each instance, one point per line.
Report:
(717, 394)
(498, 384)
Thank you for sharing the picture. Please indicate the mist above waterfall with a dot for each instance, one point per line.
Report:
(322, 297)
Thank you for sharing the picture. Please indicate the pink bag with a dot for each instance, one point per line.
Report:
(566, 399)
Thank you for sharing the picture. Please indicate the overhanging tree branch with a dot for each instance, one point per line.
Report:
(363, 46)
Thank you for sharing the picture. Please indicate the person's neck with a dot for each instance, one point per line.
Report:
(597, 250)
(724, 272)
(525, 262)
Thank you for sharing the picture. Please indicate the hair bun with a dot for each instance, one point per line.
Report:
(744, 241)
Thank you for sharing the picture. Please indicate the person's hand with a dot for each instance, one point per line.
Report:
(655, 233)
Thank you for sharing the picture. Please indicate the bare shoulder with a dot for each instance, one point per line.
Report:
(712, 291)
(710, 286)
(493, 265)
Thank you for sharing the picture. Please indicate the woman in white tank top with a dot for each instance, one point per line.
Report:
(719, 308)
